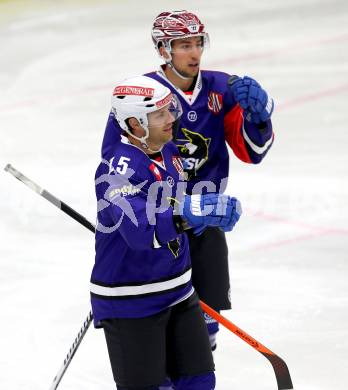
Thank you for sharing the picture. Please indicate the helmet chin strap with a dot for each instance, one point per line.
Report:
(155, 151)
(143, 142)
(170, 64)
(145, 146)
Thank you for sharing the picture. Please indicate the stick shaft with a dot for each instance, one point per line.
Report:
(51, 198)
(72, 351)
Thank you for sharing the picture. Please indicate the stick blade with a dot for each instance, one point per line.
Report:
(281, 371)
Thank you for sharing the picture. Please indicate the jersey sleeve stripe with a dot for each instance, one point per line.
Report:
(257, 149)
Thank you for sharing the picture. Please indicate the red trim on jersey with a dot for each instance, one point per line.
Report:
(159, 159)
(233, 123)
(155, 171)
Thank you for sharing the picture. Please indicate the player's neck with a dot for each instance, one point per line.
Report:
(152, 148)
(184, 85)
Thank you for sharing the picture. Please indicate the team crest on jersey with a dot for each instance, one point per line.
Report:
(156, 172)
(215, 102)
(194, 149)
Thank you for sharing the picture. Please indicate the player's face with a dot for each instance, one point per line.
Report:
(186, 55)
(160, 126)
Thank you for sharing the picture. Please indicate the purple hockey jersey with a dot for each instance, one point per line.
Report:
(142, 263)
(211, 119)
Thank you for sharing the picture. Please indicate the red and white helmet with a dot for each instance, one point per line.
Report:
(176, 25)
(138, 96)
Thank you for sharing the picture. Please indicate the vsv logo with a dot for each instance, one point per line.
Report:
(194, 149)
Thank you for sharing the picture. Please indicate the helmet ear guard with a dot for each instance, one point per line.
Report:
(130, 132)
(167, 48)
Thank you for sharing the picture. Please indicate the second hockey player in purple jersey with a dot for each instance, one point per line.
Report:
(141, 289)
(218, 110)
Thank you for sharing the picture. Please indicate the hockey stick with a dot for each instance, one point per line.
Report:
(83, 221)
(51, 198)
(279, 366)
(72, 351)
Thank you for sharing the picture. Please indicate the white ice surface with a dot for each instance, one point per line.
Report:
(288, 255)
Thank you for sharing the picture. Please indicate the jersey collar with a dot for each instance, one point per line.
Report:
(197, 89)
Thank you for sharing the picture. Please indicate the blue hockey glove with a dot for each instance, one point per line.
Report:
(201, 211)
(254, 100)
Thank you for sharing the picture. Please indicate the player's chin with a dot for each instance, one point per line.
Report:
(193, 70)
(168, 136)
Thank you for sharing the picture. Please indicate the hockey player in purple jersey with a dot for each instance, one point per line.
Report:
(141, 290)
(218, 109)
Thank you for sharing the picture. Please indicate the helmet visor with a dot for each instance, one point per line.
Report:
(189, 43)
(166, 114)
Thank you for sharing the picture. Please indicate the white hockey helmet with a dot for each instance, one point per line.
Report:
(139, 96)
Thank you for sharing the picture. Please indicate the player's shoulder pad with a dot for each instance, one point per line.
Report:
(131, 161)
(172, 148)
(216, 80)
(150, 74)
(111, 137)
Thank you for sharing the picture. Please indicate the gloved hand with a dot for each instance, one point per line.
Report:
(254, 100)
(201, 211)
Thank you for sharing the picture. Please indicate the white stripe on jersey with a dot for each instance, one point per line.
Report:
(142, 289)
(257, 149)
(184, 297)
